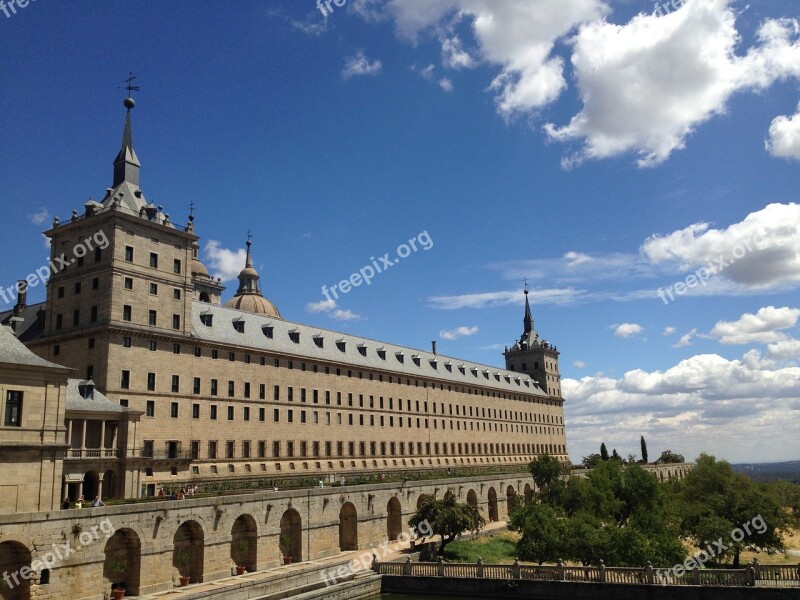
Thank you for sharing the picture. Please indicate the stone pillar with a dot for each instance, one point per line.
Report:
(83, 437)
(102, 437)
(69, 433)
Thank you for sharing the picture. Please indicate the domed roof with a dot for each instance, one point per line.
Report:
(253, 303)
(248, 297)
(199, 268)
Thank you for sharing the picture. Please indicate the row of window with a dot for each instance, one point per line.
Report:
(176, 263)
(316, 449)
(127, 283)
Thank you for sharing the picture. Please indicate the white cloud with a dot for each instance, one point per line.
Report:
(39, 216)
(503, 298)
(784, 350)
(731, 408)
(359, 64)
(454, 334)
(427, 72)
(626, 330)
(446, 84)
(686, 339)
(648, 84)
(764, 327)
(579, 364)
(225, 263)
(761, 252)
(369, 10)
(784, 136)
(669, 330)
(453, 54)
(329, 308)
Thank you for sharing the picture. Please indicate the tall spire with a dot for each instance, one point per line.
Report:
(528, 320)
(248, 277)
(126, 165)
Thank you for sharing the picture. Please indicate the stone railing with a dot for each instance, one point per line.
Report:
(93, 453)
(751, 576)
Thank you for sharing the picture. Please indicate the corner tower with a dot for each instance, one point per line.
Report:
(535, 356)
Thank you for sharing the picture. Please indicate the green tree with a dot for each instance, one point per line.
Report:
(591, 461)
(447, 518)
(643, 444)
(668, 456)
(543, 530)
(603, 451)
(729, 512)
(549, 475)
(615, 455)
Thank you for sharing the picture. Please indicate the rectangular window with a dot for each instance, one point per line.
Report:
(196, 385)
(176, 293)
(212, 449)
(151, 408)
(152, 317)
(13, 412)
(231, 389)
(152, 345)
(76, 317)
(246, 389)
(126, 313)
(176, 266)
(245, 449)
(60, 321)
(276, 449)
(246, 413)
(176, 384)
(262, 414)
(125, 380)
(93, 314)
(213, 412)
(173, 410)
(154, 260)
(230, 413)
(129, 253)
(276, 393)
(176, 348)
(262, 391)
(262, 449)
(151, 382)
(176, 321)
(195, 411)
(213, 387)
(276, 415)
(61, 290)
(154, 289)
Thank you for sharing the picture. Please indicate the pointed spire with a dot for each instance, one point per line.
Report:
(126, 164)
(528, 320)
(248, 277)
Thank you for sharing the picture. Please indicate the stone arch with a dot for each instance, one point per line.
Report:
(122, 563)
(204, 297)
(421, 499)
(528, 493)
(394, 519)
(348, 527)
(91, 482)
(244, 542)
(13, 557)
(109, 484)
(188, 551)
(511, 493)
(492, 504)
(291, 538)
(472, 498)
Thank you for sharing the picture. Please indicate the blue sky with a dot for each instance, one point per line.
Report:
(602, 149)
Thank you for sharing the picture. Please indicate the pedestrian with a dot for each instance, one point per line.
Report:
(97, 502)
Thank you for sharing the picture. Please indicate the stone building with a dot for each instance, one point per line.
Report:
(233, 390)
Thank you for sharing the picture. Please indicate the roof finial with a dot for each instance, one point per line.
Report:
(525, 280)
(527, 321)
(248, 261)
(128, 102)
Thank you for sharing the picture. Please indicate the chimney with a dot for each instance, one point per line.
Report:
(433, 344)
(22, 297)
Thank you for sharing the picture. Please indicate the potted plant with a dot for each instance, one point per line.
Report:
(119, 568)
(181, 560)
(284, 544)
(243, 551)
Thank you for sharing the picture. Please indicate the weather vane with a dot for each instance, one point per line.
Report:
(249, 235)
(130, 87)
(191, 208)
(525, 280)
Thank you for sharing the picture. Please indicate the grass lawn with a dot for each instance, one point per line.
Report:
(498, 547)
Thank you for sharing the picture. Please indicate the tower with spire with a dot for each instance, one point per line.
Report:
(535, 356)
(248, 296)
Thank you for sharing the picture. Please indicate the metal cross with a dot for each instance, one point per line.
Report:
(191, 208)
(129, 81)
(525, 280)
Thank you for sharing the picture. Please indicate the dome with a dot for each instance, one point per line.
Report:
(253, 303)
(199, 269)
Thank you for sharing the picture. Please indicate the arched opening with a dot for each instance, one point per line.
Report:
(122, 564)
(90, 481)
(528, 493)
(394, 519)
(291, 538)
(109, 484)
(204, 297)
(348, 527)
(422, 499)
(13, 557)
(510, 494)
(492, 504)
(187, 553)
(244, 543)
(472, 498)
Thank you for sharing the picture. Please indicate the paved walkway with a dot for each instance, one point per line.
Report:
(394, 551)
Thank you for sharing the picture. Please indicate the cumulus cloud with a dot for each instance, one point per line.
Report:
(446, 84)
(359, 64)
(453, 54)
(329, 308)
(686, 339)
(764, 327)
(648, 84)
(761, 252)
(749, 399)
(40, 216)
(784, 350)
(579, 364)
(669, 330)
(454, 334)
(626, 330)
(784, 136)
(226, 264)
(427, 72)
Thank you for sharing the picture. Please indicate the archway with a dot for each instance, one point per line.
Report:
(348, 527)
(244, 543)
(188, 551)
(291, 538)
(492, 504)
(394, 519)
(472, 498)
(90, 481)
(422, 499)
(13, 557)
(122, 563)
(528, 493)
(109, 484)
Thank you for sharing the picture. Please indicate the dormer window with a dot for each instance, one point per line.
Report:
(207, 319)
(497, 375)
(462, 369)
(415, 358)
(400, 357)
(362, 349)
(340, 344)
(474, 371)
(294, 335)
(382, 353)
(238, 325)
(319, 341)
(268, 330)
(449, 366)
(434, 363)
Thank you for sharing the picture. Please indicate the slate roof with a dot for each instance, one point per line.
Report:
(96, 402)
(14, 352)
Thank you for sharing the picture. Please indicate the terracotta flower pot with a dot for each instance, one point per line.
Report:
(184, 581)
(118, 593)
(287, 560)
(241, 570)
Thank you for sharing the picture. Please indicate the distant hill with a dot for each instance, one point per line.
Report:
(788, 471)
